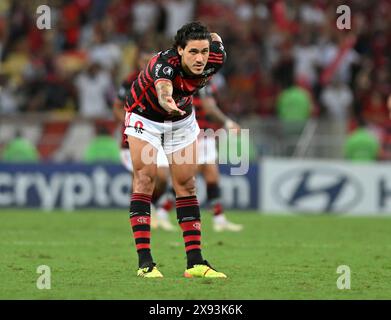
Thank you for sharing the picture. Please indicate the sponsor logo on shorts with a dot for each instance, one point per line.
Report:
(138, 127)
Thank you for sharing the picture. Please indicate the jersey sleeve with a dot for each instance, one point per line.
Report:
(163, 70)
(217, 55)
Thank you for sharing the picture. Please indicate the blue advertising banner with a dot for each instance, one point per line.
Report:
(67, 186)
(72, 186)
(326, 186)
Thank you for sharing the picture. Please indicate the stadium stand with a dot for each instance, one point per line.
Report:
(102, 148)
(51, 138)
(21, 150)
(73, 146)
(295, 40)
(362, 145)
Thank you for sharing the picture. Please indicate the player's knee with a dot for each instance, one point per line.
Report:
(186, 187)
(143, 183)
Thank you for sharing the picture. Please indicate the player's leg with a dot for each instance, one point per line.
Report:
(126, 160)
(210, 172)
(160, 185)
(188, 211)
(144, 173)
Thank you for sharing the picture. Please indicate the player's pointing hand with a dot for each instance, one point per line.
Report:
(171, 107)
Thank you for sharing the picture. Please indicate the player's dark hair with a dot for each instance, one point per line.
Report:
(191, 31)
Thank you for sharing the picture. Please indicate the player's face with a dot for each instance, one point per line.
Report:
(194, 56)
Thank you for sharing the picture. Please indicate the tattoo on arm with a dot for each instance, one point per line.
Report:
(164, 91)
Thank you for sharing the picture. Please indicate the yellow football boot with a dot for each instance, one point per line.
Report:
(149, 272)
(203, 271)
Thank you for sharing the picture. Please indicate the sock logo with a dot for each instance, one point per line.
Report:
(142, 220)
(197, 225)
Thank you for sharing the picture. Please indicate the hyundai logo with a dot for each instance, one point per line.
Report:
(320, 189)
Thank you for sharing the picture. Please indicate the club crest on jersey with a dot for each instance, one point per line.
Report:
(138, 127)
(168, 71)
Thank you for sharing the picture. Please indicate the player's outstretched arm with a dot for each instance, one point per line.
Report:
(164, 91)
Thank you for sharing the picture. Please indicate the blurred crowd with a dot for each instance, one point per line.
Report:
(272, 46)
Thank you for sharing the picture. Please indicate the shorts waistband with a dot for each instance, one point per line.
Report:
(152, 118)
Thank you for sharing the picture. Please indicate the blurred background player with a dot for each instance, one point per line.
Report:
(162, 205)
(209, 116)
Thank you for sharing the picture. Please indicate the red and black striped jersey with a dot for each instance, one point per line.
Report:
(142, 98)
(204, 121)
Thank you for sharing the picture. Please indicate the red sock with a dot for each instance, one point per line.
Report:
(217, 209)
(168, 205)
(140, 220)
(188, 214)
(213, 193)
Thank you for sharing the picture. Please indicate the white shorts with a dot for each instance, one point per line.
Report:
(126, 159)
(172, 136)
(207, 153)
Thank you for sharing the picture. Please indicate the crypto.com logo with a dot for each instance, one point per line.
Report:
(233, 148)
(324, 190)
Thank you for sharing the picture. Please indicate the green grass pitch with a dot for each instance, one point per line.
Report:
(91, 256)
